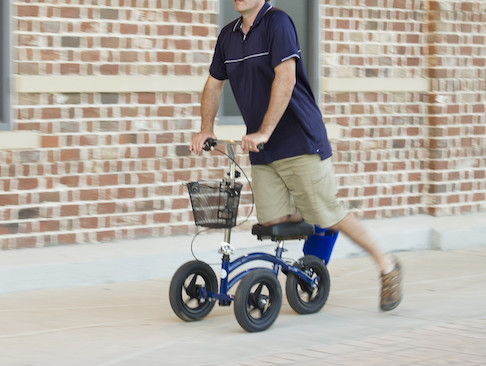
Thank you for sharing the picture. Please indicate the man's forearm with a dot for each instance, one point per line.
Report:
(210, 103)
(280, 95)
(209, 107)
(282, 89)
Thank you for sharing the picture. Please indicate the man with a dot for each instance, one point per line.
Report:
(292, 176)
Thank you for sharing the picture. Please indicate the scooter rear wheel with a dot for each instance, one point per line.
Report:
(301, 296)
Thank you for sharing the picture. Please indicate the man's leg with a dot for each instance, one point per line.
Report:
(354, 229)
(273, 201)
(313, 187)
(391, 293)
(296, 217)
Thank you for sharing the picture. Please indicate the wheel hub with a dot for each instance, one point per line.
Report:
(262, 301)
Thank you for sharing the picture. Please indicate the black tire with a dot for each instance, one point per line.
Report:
(184, 290)
(258, 299)
(302, 297)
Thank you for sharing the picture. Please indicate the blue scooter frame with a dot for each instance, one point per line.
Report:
(228, 267)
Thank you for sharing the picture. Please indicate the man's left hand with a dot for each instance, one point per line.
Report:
(250, 142)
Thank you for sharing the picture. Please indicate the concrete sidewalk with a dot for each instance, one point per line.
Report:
(441, 321)
(107, 304)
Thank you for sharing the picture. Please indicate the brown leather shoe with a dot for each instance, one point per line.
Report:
(391, 291)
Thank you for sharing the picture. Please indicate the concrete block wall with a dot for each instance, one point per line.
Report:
(111, 90)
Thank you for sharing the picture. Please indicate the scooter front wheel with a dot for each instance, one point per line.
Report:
(258, 299)
(188, 289)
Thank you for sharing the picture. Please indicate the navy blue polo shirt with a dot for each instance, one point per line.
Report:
(248, 62)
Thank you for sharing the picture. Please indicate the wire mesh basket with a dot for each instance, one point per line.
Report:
(214, 203)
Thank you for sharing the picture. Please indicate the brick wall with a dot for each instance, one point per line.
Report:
(405, 153)
(110, 164)
(456, 52)
(381, 157)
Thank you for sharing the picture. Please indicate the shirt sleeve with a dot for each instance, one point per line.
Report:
(218, 69)
(283, 41)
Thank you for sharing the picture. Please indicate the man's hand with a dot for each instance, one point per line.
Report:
(250, 142)
(198, 140)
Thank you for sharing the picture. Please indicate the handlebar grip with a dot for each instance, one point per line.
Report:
(209, 143)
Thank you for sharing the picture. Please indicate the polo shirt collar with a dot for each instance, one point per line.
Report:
(265, 8)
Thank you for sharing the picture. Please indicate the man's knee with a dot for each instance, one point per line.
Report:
(341, 224)
(296, 217)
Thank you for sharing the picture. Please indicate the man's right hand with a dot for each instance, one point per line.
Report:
(198, 140)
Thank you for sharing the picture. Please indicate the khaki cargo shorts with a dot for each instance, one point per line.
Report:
(305, 182)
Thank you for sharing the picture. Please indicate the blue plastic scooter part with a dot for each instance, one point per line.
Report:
(321, 243)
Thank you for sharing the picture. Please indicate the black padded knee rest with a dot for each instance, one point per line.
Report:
(285, 231)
